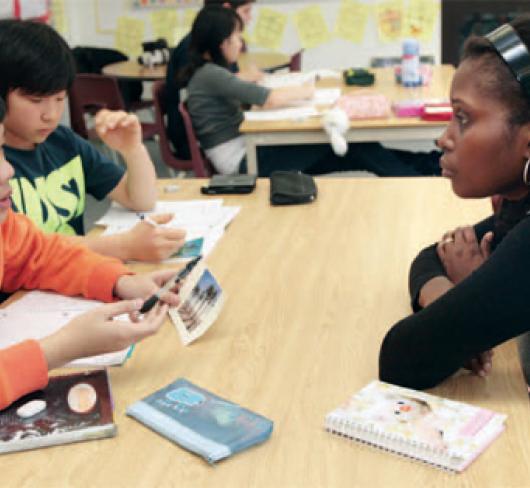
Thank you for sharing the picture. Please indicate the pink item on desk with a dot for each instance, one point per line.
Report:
(436, 112)
(365, 106)
(408, 108)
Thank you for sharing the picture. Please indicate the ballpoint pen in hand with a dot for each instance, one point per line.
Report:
(151, 301)
(147, 219)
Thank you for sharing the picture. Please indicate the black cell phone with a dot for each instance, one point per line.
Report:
(226, 184)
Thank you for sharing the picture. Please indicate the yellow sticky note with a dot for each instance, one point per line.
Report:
(351, 20)
(389, 15)
(189, 17)
(270, 28)
(165, 24)
(129, 36)
(420, 19)
(311, 26)
(59, 18)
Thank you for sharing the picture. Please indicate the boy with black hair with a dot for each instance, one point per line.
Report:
(54, 168)
(30, 259)
(180, 58)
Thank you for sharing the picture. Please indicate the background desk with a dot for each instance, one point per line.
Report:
(310, 131)
(311, 291)
(131, 70)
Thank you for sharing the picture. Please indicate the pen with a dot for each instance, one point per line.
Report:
(147, 219)
(151, 301)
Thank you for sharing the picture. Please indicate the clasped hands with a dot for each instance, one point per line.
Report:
(461, 254)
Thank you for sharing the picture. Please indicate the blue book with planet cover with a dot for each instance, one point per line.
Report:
(200, 421)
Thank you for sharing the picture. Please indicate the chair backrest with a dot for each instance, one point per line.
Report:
(90, 93)
(93, 59)
(295, 64)
(201, 166)
(175, 125)
(169, 158)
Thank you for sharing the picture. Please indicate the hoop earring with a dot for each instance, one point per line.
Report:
(525, 172)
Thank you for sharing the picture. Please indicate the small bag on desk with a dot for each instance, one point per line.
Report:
(292, 187)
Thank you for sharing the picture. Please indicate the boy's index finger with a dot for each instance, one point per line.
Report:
(173, 234)
(171, 298)
(102, 116)
(102, 113)
(110, 119)
(102, 121)
(111, 310)
(128, 120)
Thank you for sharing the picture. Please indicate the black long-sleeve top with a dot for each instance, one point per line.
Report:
(489, 307)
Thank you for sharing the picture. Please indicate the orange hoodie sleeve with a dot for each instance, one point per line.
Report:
(33, 260)
(30, 259)
(23, 369)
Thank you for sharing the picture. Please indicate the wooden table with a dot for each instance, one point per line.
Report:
(311, 291)
(132, 70)
(310, 131)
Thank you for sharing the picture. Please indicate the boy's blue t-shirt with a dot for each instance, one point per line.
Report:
(51, 181)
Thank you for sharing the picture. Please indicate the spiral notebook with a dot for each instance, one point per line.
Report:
(444, 433)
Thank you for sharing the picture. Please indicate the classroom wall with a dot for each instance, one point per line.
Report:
(83, 28)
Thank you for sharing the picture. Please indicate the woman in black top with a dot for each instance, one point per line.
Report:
(471, 290)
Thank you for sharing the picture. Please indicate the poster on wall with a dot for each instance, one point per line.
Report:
(270, 29)
(107, 15)
(59, 16)
(390, 15)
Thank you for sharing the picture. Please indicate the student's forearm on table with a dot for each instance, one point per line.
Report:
(279, 97)
(117, 245)
(56, 352)
(434, 289)
(140, 179)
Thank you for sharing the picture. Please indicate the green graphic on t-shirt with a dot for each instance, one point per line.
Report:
(52, 201)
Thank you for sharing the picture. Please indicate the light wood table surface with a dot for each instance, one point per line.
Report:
(311, 291)
(310, 131)
(132, 70)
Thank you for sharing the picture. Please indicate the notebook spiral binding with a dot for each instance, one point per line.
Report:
(395, 444)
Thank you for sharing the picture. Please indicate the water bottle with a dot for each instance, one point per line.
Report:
(410, 63)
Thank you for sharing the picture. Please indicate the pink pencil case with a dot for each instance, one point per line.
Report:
(408, 108)
(365, 106)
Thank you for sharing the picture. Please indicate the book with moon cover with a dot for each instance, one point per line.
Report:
(72, 408)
